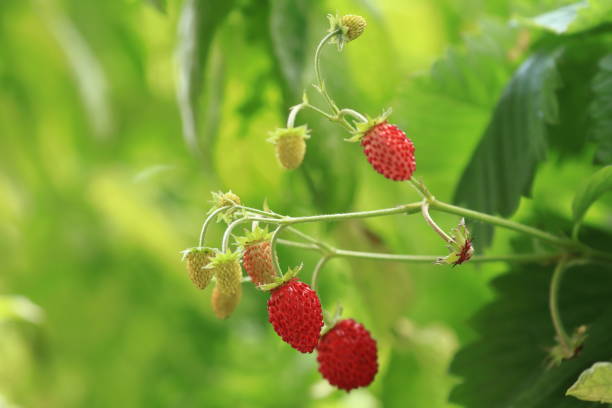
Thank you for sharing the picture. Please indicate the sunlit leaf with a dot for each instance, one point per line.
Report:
(573, 17)
(594, 384)
(598, 184)
(502, 168)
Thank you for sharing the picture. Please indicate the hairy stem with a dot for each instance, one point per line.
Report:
(555, 283)
(402, 209)
(377, 256)
(502, 222)
(432, 223)
(317, 67)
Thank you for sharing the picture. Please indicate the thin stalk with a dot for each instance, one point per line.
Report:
(295, 244)
(402, 209)
(353, 113)
(230, 228)
(377, 256)
(501, 222)
(293, 114)
(273, 240)
(317, 67)
(322, 245)
(553, 303)
(207, 223)
(432, 223)
(317, 269)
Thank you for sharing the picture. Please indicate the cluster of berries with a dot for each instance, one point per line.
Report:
(386, 147)
(347, 354)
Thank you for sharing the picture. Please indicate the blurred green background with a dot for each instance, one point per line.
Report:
(102, 184)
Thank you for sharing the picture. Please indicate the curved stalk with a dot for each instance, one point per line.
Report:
(353, 113)
(432, 223)
(275, 235)
(207, 223)
(317, 68)
(553, 303)
(293, 114)
(234, 224)
(317, 269)
(501, 222)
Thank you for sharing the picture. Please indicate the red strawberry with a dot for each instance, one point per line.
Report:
(347, 355)
(389, 151)
(295, 312)
(257, 256)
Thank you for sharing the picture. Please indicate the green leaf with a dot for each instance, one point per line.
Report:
(594, 384)
(289, 35)
(502, 168)
(508, 365)
(160, 5)
(198, 22)
(601, 111)
(573, 18)
(589, 192)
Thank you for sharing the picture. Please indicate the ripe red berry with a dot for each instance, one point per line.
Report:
(389, 151)
(295, 312)
(347, 355)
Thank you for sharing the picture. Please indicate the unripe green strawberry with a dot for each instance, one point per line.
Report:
(347, 27)
(257, 256)
(355, 25)
(223, 304)
(226, 267)
(290, 145)
(220, 200)
(196, 260)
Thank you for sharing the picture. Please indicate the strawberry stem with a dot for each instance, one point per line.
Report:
(207, 222)
(553, 303)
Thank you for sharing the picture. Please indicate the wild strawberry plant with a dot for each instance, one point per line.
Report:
(347, 353)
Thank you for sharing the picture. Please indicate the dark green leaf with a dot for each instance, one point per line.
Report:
(589, 192)
(502, 168)
(574, 17)
(198, 23)
(508, 365)
(594, 384)
(601, 111)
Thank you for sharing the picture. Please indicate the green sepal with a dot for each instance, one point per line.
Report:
(281, 280)
(330, 319)
(349, 27)
(364, 127)
(558, 352)
(279, 133)
(224, 257)
(255, 236)
(221, 199)
(461, 248)
(206, 250)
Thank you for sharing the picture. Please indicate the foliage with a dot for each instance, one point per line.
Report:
(99, 192)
